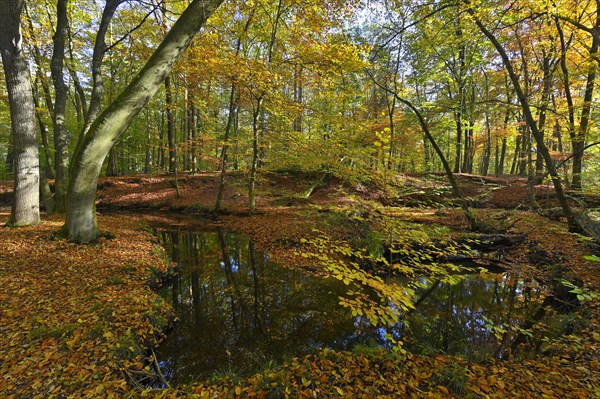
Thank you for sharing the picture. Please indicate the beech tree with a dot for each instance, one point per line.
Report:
(61, 142)
(531, 122)
(25, 209)
(80, 224)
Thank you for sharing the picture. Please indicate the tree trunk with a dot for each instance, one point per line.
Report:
(231, 118)
(41, 79)
(45, 193)
(578, 136)
(108, 12)
(500, 160)
(579, 140)
(193, 126)
(111, 165)
(254, 164)
(513, 165)
(26, 203)
(500, 170)
(223, 163)
(472, 222)
(148, 158)
(49, 170)
(81, 224)
(170, 127)
(10, 160)
(547, 86)
(426, 156)
(467, 142)
(487, 151)
(577, 146)
(558, 188)
(298, 97)
(61, 140)
(80, 94)
(459, 135)
(200, 146)
(161, 142)
(524, 150)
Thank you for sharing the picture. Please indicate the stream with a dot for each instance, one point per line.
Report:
(239, 312)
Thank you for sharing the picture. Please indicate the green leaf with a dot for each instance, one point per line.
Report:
(593, 258)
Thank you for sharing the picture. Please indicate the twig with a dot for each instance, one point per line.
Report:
(160, 374)
(130, 31)
(510, 226)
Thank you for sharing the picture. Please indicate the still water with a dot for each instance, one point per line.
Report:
(238, 311)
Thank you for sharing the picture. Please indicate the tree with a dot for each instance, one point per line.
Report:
(528, 114)
(61, 142)
(578, 135)
(25, 209)
(81, 225)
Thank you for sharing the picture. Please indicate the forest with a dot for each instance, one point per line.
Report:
(299, 199)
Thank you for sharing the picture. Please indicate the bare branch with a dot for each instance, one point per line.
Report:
(139, 25)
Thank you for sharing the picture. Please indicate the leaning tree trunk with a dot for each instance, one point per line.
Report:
(525, 107)
(26, 205)
(472, 222)
(80, 224)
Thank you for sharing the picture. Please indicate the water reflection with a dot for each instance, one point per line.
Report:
(477, 317)
(237, 311)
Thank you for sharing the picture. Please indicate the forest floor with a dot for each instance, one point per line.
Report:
(79, 321)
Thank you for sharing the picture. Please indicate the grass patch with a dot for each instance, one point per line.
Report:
(454, 377)
(114, 280)
(127, 347)
(43, 332)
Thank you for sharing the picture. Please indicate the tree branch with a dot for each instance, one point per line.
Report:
(130, 31)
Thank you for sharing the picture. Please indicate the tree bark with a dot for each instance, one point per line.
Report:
(487, 150)
(81, 224)
(459, 135)
(148, 158)
(223, 163)
(80, 94)
(298, 96)
(513, 165)
(49, 172)
(547, 80)
(170, 127)
(61, 139)
(254, 164)
(108, 12)
(111, 165)
(192, 126)
(500, 170)
(26, 205)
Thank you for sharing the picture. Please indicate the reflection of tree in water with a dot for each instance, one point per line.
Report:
(238, 311)
(456, 319)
